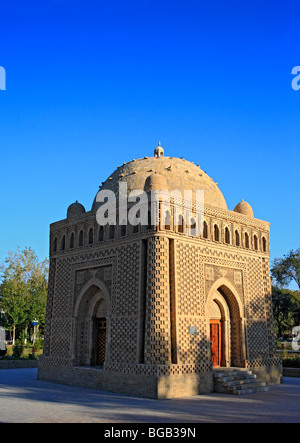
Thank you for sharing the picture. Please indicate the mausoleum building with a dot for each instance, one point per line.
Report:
(150, 309)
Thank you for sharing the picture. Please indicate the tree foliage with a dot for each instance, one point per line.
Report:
(287, 269)
(23, 289)
(286, 303)
(286, 310)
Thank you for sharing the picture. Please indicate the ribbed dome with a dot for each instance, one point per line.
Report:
(244, 208)
(75, 209)
(179, 174)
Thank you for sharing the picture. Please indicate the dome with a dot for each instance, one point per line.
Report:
(155, 182)
(244, 208)
(75, 209)
(171, 173)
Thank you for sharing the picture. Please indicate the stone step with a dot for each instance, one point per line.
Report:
(236, 377)
(250, 390)
(231, 373)
(237, 381)
(246, 386)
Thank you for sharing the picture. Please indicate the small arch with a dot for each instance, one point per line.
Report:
(167, 220)
(72, 239)
(123, 230)
(264, 244)
(205, 229)
(91, 236)
(227, 235)
(80, 239)
(55, 245)
(111, 232)
(237, 238)
(247, 242)
(149, 226)
(180, 223)
(63, 243)
(193, 225)
(100, 234)
(255, 241)
(216, 233)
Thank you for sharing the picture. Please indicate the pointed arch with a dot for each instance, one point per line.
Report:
(94, 284)
(91, 313)
(224, 294)
(228, 289)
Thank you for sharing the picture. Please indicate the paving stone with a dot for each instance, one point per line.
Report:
(24, 399)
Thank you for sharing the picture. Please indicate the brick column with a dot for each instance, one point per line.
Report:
(157, 322)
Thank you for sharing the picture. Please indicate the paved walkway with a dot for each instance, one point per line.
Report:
(24, 399)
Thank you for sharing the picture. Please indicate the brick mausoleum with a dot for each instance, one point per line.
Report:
(153, 311)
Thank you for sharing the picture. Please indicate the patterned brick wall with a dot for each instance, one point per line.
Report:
(157, 325)
(196, 266)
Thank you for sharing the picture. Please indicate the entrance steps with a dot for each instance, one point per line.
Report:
(237, 381)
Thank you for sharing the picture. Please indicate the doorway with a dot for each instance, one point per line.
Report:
(215, 342)
(225, 326)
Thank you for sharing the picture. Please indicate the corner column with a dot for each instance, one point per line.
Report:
(157, 324)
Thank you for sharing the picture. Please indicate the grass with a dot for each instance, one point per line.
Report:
(27, 352)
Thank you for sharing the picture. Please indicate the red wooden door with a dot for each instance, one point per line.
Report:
(101, 341)
(215, 342)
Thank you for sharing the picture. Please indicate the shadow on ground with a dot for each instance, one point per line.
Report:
(23, 398)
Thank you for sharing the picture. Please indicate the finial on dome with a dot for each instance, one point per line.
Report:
(159, 152)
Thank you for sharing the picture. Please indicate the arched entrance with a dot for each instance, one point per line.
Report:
(91, 325)
(226, 331)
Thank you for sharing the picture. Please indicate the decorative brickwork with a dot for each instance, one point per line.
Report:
(155, 291)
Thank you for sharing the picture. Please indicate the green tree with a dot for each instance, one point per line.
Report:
(286, 309)
(287, 269)
(23, 290)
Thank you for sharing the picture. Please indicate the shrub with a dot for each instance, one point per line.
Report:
(18, 349)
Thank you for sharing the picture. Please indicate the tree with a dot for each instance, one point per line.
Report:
(23, 290)
(287, 269)
(286, 309)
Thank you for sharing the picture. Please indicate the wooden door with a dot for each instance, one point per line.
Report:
(215, 342)
(101, 341)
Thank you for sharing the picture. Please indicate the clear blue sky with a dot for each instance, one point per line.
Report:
(91, 84)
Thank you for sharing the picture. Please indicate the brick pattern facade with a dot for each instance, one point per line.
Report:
(158, 289)
(198, 264)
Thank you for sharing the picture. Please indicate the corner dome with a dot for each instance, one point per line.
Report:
(75, 209)
(177, 173)
(244, 208)
(155, 182)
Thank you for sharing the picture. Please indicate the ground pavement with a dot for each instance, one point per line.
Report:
(24, 399)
